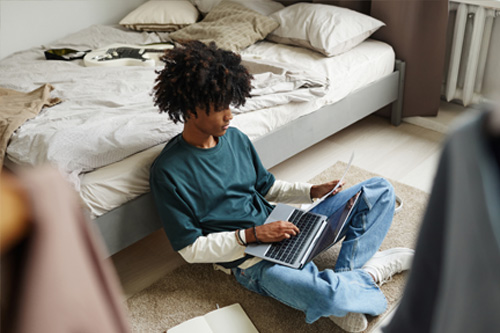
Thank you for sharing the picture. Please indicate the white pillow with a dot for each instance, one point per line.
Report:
(264, 7)
(157, 15)
(327, 29)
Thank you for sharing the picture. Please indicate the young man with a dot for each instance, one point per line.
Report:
(213, 195)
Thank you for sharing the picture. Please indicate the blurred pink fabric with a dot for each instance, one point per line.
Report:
(67, 285)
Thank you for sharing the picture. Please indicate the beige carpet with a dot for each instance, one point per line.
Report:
(193, 290)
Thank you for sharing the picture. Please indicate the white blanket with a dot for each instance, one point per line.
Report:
(107, 113)
(277, 83)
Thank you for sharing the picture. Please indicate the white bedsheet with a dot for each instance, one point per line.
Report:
(107, 113)
(113, 185)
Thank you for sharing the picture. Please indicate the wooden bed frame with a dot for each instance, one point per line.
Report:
(138, 218)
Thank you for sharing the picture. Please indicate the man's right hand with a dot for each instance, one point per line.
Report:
(272, 232)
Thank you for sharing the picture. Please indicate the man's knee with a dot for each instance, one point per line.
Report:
(382, 188)
(386, 185)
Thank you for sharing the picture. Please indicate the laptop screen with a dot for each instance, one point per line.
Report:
(334, 228)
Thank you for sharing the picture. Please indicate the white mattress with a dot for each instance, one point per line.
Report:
(113, 185)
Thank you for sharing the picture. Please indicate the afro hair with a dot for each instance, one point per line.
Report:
(200, 76)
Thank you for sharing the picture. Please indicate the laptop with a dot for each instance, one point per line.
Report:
(317, 233)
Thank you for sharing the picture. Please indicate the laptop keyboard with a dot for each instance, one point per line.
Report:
(288, 249)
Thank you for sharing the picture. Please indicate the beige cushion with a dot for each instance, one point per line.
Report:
(230, 25)
(327, 29)
(264, 7)
(157, 15)
(205, 6)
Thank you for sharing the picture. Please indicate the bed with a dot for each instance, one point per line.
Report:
(106, 132)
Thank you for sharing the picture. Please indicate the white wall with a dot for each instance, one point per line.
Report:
(25, 23)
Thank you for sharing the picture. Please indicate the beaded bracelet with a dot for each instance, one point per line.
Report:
(255, 235)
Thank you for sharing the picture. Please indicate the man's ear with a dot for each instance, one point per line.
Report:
(190, 114)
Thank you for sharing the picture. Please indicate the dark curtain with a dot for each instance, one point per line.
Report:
(416, 29)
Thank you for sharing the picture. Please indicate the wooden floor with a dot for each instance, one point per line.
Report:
(408, 153)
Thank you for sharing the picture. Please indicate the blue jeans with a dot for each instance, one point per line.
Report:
(347, 288)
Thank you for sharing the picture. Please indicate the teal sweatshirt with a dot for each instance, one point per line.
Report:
(200, 191)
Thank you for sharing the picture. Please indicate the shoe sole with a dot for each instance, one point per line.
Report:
(394, 250)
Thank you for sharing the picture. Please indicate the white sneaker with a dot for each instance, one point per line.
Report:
(352, 322)
(383, 265)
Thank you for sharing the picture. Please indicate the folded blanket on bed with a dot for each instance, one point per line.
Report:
(276, 84)
(17, 107)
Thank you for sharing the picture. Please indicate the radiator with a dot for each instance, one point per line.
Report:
(469, 35)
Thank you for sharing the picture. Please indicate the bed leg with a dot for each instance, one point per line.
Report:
(397, 106)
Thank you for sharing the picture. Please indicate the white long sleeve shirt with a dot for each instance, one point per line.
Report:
(223, 246)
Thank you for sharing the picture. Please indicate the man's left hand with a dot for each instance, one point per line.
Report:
(317, 191)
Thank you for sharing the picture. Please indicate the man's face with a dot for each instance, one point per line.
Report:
(215, 123)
